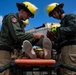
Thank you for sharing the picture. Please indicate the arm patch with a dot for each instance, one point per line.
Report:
(14, 20)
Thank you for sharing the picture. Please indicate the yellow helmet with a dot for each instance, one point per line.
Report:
(31, 7)
(26, 22)
(52, 6)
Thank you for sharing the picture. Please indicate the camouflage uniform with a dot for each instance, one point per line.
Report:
(11, 33)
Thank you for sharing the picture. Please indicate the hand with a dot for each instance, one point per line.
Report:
(38, 35)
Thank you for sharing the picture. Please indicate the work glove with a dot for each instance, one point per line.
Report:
(53, 29)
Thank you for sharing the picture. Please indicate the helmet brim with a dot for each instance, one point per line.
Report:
(61, 5)
(22, 6)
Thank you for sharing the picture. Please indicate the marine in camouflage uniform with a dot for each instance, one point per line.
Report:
(13, 33)
(65, 35)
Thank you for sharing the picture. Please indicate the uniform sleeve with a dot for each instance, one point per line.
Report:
(16, 31)
(70, 28)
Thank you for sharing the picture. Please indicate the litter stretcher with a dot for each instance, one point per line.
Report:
(22, 66)
(33, 65)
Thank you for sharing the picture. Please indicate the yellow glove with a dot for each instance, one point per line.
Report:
(54, 29)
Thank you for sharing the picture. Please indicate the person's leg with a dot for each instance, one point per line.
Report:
(44, 43)
(68, 56)
(5, 58)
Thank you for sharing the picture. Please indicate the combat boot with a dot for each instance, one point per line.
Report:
(47, 47)
(27, 47)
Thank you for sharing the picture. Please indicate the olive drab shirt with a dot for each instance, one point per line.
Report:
(12, 32)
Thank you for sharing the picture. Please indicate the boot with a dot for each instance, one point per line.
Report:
(47, 47)
(27, 47)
